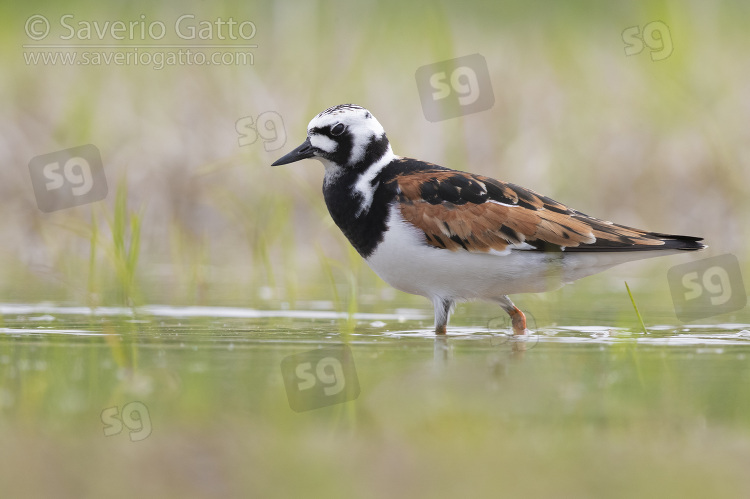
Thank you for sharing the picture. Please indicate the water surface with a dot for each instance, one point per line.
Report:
(206, 389)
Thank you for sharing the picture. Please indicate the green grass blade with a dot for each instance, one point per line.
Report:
(635, 307)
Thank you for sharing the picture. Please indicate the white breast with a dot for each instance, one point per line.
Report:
(406, 262)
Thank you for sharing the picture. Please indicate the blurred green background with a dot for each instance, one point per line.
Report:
(657, 144)
(195, 215)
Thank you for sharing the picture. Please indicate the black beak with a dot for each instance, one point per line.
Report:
(303, 151)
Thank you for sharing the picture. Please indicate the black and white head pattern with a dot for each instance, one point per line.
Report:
(348, 136)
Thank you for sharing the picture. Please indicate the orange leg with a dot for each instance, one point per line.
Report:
(516, 316)
(518, 320)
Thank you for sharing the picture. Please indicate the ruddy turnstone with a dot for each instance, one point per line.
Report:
(454, 236)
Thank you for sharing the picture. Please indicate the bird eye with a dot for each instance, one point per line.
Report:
(338, 129)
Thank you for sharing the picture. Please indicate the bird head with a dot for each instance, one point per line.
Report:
(346, 136)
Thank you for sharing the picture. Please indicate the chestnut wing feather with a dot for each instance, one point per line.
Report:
(462, 211)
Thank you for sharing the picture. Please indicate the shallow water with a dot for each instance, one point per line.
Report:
(244, 325)
(260, 391)
(132, 350)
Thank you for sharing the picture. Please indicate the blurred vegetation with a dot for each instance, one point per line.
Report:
(652, 144)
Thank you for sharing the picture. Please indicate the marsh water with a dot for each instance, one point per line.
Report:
(220, 391)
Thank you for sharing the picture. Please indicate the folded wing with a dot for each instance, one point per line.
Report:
(462, 211)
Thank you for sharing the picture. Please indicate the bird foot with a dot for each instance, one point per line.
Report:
(519, 322)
